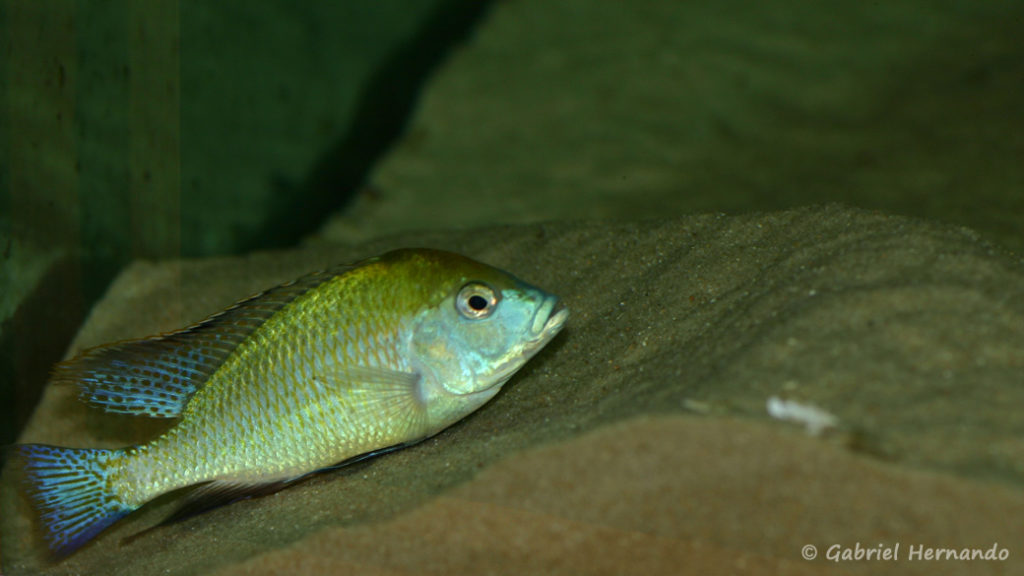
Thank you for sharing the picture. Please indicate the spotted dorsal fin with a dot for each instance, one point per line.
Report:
(157, 376)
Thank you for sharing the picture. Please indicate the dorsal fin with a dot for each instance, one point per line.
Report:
(157, 376)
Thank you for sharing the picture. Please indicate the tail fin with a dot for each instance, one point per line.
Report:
(70, 491)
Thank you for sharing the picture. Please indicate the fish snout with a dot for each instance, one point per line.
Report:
(549, 318)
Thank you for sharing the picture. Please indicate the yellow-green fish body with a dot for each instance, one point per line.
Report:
(333, 366)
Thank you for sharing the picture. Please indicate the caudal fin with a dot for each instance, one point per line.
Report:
(70, 491)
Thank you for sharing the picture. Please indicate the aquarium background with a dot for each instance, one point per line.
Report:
(171, 129)
(157, 130)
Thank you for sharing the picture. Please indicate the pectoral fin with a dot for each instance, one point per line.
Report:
(391, 396)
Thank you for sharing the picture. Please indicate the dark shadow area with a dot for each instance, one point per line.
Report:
(33, 340)
(382, 113)
(38, 336)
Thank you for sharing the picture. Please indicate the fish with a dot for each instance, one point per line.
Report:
(338, 365)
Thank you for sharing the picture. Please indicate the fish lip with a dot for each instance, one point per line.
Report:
(549, 319)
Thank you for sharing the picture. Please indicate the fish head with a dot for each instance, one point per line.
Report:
(484, 326)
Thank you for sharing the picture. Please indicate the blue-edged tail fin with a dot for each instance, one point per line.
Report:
(70, 490)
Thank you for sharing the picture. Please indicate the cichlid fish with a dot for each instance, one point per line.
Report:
(339, 364)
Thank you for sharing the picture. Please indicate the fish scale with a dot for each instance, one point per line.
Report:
(337, 365)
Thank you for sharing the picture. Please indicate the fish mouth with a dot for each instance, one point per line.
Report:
(548, 320)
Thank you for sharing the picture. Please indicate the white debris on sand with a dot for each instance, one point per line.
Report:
(815, 419)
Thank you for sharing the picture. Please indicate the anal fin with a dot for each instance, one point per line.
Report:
(214, 494)
(218, 493)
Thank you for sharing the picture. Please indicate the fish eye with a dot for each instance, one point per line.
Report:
(477, 300)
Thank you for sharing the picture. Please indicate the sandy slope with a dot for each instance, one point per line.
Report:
(639, 438)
